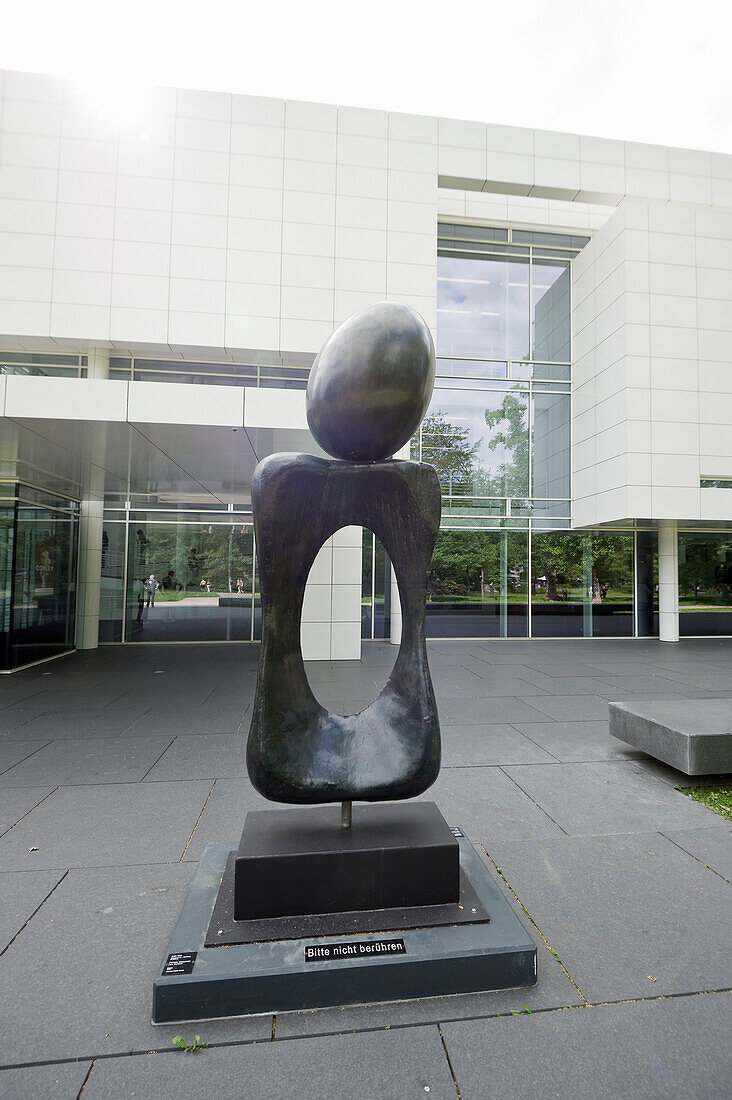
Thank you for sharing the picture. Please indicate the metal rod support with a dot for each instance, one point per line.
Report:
(346, 815)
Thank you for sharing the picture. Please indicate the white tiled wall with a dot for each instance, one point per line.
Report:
(212, 221)
(653, 348)
(549, 165)
(234, 223)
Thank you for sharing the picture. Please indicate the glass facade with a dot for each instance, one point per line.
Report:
(375, 588)
(498, 431)
(38, 557)
(582, 585)
(209, 374)
(42, 365)
(179, 576)
(478, 584)
(158, 370)
(705, 583)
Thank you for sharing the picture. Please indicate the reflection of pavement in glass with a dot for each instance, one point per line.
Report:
(194, 601)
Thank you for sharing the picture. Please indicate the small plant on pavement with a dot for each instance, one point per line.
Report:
(197, 1043)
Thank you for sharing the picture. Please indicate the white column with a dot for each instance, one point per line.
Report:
(90, 522)
(668, 581)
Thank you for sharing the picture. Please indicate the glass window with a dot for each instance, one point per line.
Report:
(111, 593)
(40, 365)
(43, 585)
(7, 522)
(190, 581)
(581, 585)
(483, 308)
(375, 588)
(705, 583)
(471, 368)
(550, 449)
(477, 585)
(647, 583)
(478, 441)
(550, 310)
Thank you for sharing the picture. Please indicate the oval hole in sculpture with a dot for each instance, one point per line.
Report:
(350, 578)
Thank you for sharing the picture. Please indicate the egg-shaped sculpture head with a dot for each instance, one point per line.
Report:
(371, 383)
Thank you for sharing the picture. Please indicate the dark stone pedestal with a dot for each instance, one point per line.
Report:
(299, 861)
(311, 967)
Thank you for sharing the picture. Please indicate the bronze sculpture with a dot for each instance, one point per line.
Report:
(368, 391)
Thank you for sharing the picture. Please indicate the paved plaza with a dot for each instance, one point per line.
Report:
(118, 766)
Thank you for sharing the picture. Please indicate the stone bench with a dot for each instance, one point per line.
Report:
(692, 735)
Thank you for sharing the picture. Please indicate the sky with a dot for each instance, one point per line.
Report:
(645, 70)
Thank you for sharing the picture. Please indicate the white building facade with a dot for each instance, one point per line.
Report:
(168, 275)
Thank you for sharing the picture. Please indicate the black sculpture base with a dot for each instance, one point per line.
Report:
(223, 930)
(196, 982)
(300, 861)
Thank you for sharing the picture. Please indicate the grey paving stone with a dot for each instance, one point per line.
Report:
(17, 716)
(188, 721)
(485, 803)
(476, 712)
(713, 845)
(96, 723)
(499, 687)
(59, 1082)
(655, 1049)
(223, 817)
(91, 760)
(105, 824)
(470, 746)
(617, 909)
(22, 893)
(204, 756)
(569, 708)
(17, 802)
(626, 668)
(12, 752)
(553, 989)
(576, 741)
(639, 682)
(568, 685)
(607, 797)
(398, 1063)
(82, 970)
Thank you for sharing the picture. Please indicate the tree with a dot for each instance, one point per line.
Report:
(512, 478)
(446, 446)
(561, 556)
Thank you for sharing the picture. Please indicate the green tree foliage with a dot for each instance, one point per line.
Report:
(194, 552)
(563, 557)
(705, 568)
(462, 561)
(447, 447)
(509, 429)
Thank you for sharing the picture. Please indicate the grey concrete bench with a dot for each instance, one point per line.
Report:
(692, 735)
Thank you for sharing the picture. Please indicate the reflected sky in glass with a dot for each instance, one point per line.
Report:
(482, 308)
(478, 440)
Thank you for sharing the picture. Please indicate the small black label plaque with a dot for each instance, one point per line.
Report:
(457, 832)
(181, 963)
(356, 949)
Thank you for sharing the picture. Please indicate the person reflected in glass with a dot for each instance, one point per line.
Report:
(151, 587)
(141, 593)
(171, 582)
